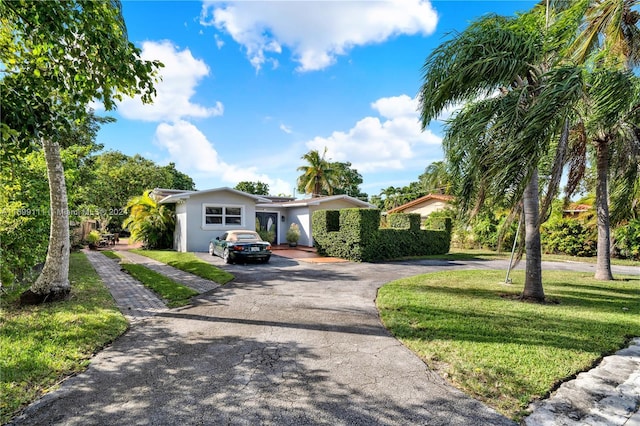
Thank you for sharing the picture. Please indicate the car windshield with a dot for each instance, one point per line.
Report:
(246, 237)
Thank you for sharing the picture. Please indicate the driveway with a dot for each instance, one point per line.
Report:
(285, 343)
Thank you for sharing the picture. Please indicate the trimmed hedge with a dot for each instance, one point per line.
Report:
(355, 234)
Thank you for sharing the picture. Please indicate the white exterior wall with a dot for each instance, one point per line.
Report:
(180, 232)
(198, 234)
(300, 215)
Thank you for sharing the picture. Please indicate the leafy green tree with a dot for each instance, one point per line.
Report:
(117, 177)
(494, 144)
(347, 180)
(256, 188)
(57, 58)
(150, 223)
(24, 219)
(317, 176)
(177, 179)
(24, 205)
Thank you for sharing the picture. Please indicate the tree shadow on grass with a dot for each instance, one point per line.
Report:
(486, 317)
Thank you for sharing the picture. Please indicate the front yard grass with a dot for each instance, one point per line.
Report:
(486, 254)
(40, 345)
(188, 262)
(470, 327)
(174, 293)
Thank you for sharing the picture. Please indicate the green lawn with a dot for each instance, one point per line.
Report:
(174, 293)
(188, 262)
(470, 327)
(485, 254)
(112, 254)
(40, 345)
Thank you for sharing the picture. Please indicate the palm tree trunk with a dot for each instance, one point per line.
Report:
(533, 269)
(53, 282)
(603, 264)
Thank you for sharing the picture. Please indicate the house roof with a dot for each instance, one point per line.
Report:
(184, 195)
(316, 201)
(169, 196)
(421, 200)
(577, 208)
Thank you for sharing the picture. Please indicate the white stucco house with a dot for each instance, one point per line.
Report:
(204, 215)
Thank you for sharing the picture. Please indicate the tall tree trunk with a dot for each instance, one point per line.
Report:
(603, 264)
(317, 187)
(533, 270)
(53, 282)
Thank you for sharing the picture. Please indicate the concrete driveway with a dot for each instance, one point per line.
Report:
(286, 343)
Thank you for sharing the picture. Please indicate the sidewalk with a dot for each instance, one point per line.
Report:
(607, 395)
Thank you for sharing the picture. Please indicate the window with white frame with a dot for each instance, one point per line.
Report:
(222, 215)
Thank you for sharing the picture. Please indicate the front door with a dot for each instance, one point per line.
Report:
(268, 226)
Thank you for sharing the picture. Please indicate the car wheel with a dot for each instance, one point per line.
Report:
(211, 252)
(225, 256)
(266, 259)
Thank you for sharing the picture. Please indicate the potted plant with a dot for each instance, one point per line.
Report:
(293, 235)
(93, 238)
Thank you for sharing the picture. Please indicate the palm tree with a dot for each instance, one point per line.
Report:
(317, 176)
(609, 41)
(608, 33)
(494, 144)
(148, 222)
(436, 178)
(611, 127)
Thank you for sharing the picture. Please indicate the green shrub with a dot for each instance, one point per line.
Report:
(627, 240)
(574, 237)
(149, 222)
(360, 238)
(437, 220)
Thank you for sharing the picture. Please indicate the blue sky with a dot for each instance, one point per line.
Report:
(249, 87)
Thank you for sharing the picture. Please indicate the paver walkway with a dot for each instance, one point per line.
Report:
(135, 301)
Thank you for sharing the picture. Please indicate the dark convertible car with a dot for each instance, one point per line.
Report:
(240, 246)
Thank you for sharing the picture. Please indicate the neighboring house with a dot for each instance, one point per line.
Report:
(204, 215)
(426, 205)
(574, 210)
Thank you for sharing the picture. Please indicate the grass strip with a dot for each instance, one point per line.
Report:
(112, 254)
(174, 293)
(188, 262)
(40, 345)
(472, 329)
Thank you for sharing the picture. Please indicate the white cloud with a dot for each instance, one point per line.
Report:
(316, 32)
(219, 41)
(396, 106)
(286, 129)
(195, 155)
(377, 145)
(180, 76)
